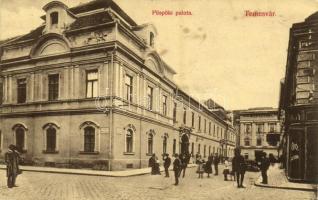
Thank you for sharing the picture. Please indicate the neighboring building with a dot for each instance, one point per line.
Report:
(228, 143)
(259, 131)
(88, 88)
(299, 102)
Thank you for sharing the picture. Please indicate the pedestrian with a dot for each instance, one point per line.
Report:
(176, 168)
(226, 170)
(154, 164)
(12, 158)
(216, 162)
(239, 167)
(201, 165)
(208, 166)
(184, 160)
(166, 164)
(264, 167)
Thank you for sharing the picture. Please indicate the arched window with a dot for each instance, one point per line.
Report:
(89, 139)
(164, 144)
(129, 141)
(150, 143)
(51, 139)
(19, 139)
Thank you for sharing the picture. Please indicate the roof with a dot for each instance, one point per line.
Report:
(91, 20)
(34, 34)
(313, 17)
(97, 4)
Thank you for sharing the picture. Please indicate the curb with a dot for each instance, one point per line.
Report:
(88, 174)
(284, 188)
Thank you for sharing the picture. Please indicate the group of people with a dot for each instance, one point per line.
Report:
(180, 165)
(235, 169)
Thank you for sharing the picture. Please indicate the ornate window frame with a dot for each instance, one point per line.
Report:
(82, 136)
(25, 128)
(57, 129)
(131, 128)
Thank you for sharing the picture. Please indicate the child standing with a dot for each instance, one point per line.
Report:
(226, 170)
(200, 170)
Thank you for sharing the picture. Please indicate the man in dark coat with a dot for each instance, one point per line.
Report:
(239, 167)
(176, 168)
(166, 164)
(12, 162)
(216, 161)
(185, 158)
(264, 167)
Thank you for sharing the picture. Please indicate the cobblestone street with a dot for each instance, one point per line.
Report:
(47, 186)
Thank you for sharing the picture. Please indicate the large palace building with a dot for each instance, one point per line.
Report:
(259, 131)
(88, 88)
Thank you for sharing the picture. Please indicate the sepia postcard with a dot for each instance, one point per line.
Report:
(158, 99)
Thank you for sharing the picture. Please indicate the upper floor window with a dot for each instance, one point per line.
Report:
(260, 128)
(128, 88)
(151, 39)
(54, 18)
(199, 123)
(221, 133)
(164, 105)
(21, 90)
(149, 97)
(248, 128)
(1, 92)
(272, 127)
(175, 112)
(217, 131)
(91, 84)
(259, 141)
(209, 128)
(247, 141)
(192, 121)
(214, 130)
(53, 87)
(204, 125)
(184, 115)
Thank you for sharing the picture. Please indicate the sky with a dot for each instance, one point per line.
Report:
(217, 52)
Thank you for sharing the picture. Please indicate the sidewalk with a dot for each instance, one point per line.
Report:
(277, 179)
(125, 173)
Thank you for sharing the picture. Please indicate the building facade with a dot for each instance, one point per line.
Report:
(88, 88)
(259, 131)
(299, 102)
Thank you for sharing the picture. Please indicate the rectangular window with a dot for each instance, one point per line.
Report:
(204, 125)
(164, 105)
(192, 121)
(272, 127)
(199, 123)
(209, 151)
(129, 88)
(149, 97)
(1, 93)
(91, 83)
(214, 130)
(217, 132)
(204, 151)
(53, 87)
(221, 133)
(184, 115)
(199, 148)
(21, 90)
(248, 128)
(260, 128)
(209, 128)
(259, 141)
(175, 112)
(54, 18)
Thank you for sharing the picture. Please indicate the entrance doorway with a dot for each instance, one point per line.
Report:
(184, 144)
